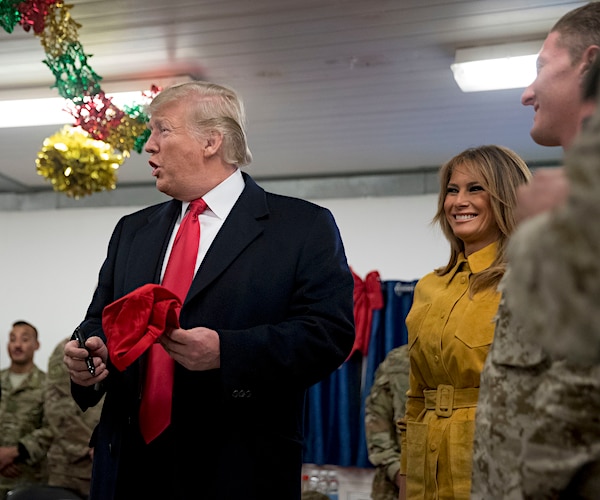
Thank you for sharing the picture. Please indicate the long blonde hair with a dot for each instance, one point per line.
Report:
(501, 171)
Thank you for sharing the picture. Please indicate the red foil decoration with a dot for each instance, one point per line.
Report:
(97, 115)
(33, 14)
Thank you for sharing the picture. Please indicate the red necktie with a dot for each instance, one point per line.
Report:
(157, 394)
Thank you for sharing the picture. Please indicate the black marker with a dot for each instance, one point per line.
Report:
(89, 361)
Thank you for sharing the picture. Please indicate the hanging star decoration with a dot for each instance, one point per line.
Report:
(84, 158)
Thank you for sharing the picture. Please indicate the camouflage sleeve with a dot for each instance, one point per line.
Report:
(37, 441)
(564, 436)
(380, 428)
(69, 424)
(555, 287)
(384, 406)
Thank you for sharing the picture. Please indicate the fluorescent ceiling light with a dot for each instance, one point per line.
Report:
(31, 107)
(507, 66)
(51, 111)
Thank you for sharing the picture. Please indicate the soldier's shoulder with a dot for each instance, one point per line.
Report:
(397, 360)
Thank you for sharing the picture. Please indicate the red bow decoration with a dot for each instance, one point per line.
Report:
(134, 322)
(367, 298)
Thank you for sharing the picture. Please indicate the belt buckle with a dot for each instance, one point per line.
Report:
(444, 400)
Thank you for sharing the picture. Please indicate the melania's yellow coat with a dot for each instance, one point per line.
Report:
(449, 334)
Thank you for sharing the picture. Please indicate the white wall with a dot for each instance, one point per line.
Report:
(392, 235)
(49, 259)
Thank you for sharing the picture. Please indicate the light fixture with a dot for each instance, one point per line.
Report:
(50, 111)
(495, 67)
(21, 109)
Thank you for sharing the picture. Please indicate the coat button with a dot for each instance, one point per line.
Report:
(235, 393)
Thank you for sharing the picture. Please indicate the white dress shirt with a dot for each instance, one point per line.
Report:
(220, 201)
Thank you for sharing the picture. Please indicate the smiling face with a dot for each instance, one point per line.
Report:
(468, 210)
(555, 95)
(22, 344)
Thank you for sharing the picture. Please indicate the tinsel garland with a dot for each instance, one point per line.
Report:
(82, 159)
(77, 164)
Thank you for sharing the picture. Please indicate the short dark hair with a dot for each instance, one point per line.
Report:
(25, 323)
(579, 29)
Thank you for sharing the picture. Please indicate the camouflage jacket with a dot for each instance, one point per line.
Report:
(69, 461)
(555, 256)
(543, 408)
(536, 432)
(21, 415)
(384, 406)
(513, 370)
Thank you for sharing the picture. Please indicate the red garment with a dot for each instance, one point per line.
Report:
(134, 322)
(367, 298)
(157, 392)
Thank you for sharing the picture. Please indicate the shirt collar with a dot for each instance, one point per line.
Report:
(482, 259)
(221, 198)
(476, 262)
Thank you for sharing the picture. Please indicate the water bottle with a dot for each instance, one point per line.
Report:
(304, 483)
(322, 483)
(313, 480)
(332, 485)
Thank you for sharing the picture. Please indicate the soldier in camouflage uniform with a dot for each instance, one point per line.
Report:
(562, 316)
(537, 427)
(512, 372)
(385, 405)
(21, 412)
(69, 456)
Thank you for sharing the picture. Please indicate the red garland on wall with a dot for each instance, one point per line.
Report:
(81, 159)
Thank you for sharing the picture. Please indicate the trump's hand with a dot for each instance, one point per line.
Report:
(75, 357)
(197, 349)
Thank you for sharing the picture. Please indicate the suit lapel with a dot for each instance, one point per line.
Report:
(242, 226)
(146, 255)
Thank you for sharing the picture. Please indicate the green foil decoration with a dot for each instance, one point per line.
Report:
(9, 15)
(74, 77)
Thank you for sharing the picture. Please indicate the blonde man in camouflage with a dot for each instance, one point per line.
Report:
(385, 405)
(562, 316)
(21, 412)
(536, 417)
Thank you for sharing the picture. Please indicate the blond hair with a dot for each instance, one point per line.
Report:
(212, 107)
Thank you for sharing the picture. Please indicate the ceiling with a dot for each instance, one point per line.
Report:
(332, 87)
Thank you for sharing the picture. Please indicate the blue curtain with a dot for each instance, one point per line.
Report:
(333, 412)
(334, 423)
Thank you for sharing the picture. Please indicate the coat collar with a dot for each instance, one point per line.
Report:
(474, 263)
(242, 226)
(145, 254)
(33, 380)
(482, 259)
